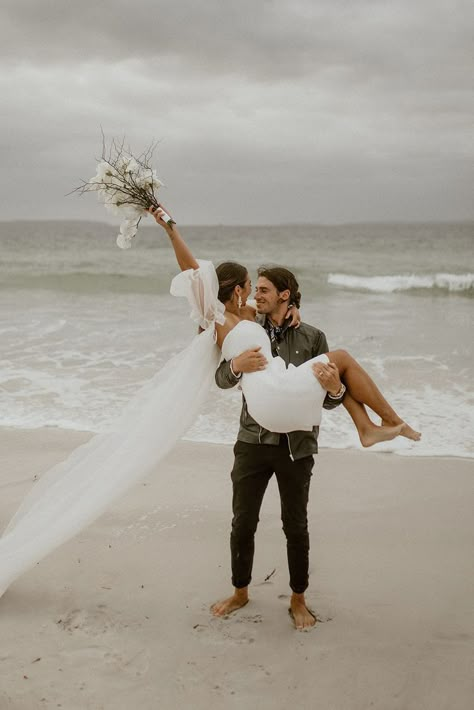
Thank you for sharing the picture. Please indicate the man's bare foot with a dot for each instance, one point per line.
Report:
(239, 599)
(376, 434)
(303, 618)
(406, 431)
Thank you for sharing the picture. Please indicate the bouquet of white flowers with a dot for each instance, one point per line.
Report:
(126, 185)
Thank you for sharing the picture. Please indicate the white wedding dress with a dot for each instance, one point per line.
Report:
(75, 492)
(280, 399)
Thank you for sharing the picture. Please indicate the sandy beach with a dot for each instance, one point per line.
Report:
(118, 617)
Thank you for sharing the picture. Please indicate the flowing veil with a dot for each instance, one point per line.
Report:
(75, 492)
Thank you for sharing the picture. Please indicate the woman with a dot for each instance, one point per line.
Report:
(281, 399)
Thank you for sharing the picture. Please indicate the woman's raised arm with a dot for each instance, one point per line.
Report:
(183, 253)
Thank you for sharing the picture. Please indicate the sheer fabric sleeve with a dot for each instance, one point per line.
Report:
(200, 287)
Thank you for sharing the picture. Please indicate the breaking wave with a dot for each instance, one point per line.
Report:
(405, 282)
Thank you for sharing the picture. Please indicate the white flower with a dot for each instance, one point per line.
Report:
(128, 230)
(126, 187)
(129, 226)
(123, 243)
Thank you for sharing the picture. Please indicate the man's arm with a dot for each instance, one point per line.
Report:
(225, 379)
(228, 373)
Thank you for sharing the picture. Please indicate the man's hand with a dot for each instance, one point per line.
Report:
(295, 316)
(328, 376)
(249, 361)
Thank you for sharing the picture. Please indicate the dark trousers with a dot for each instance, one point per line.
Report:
(254, 465)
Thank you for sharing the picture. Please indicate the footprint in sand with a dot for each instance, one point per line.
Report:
(103, 622)
(136, 664)
(133, 664)
(238, 628)
(92, 622)
(254, 619)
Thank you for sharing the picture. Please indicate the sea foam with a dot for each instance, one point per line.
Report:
(404, 282)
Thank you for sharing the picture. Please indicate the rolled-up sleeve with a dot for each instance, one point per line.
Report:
(224, 377)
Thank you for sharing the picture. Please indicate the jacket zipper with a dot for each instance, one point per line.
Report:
(260, 434)
(289, 447)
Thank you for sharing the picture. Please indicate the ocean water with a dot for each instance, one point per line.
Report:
(84, 324)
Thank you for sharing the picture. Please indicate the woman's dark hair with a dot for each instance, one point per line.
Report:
(230, 274)
(283, 280)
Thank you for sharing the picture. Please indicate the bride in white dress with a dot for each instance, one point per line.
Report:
(75, 492)
(285, 399)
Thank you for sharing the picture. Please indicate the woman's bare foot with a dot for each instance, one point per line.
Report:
(303, 618)
(406, 431)
(410, 433)
(239, 599)
(375, 434)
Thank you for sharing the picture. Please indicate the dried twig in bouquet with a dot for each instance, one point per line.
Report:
(126, 185)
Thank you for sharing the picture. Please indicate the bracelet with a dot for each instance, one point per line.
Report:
(338, 394)
(237, 377)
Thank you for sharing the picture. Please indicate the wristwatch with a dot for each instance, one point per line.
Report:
(339, 394)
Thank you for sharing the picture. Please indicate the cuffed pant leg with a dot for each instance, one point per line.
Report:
(250, 476)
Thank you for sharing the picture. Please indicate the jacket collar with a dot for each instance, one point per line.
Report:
(275, 332)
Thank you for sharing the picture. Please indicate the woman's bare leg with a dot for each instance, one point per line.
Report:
(369, 433)
(363, 390)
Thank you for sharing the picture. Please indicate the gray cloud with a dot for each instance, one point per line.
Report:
(357, 110)
(266, 39)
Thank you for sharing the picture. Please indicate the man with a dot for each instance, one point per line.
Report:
(260, 453)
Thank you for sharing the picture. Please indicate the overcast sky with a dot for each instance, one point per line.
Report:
(266, 111)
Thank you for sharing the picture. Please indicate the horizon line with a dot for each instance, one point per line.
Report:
(467, 220)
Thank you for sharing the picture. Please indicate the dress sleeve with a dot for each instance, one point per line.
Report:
(200, 287)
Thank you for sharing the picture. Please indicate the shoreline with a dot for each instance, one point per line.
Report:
(81, 435)
(119, 616)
